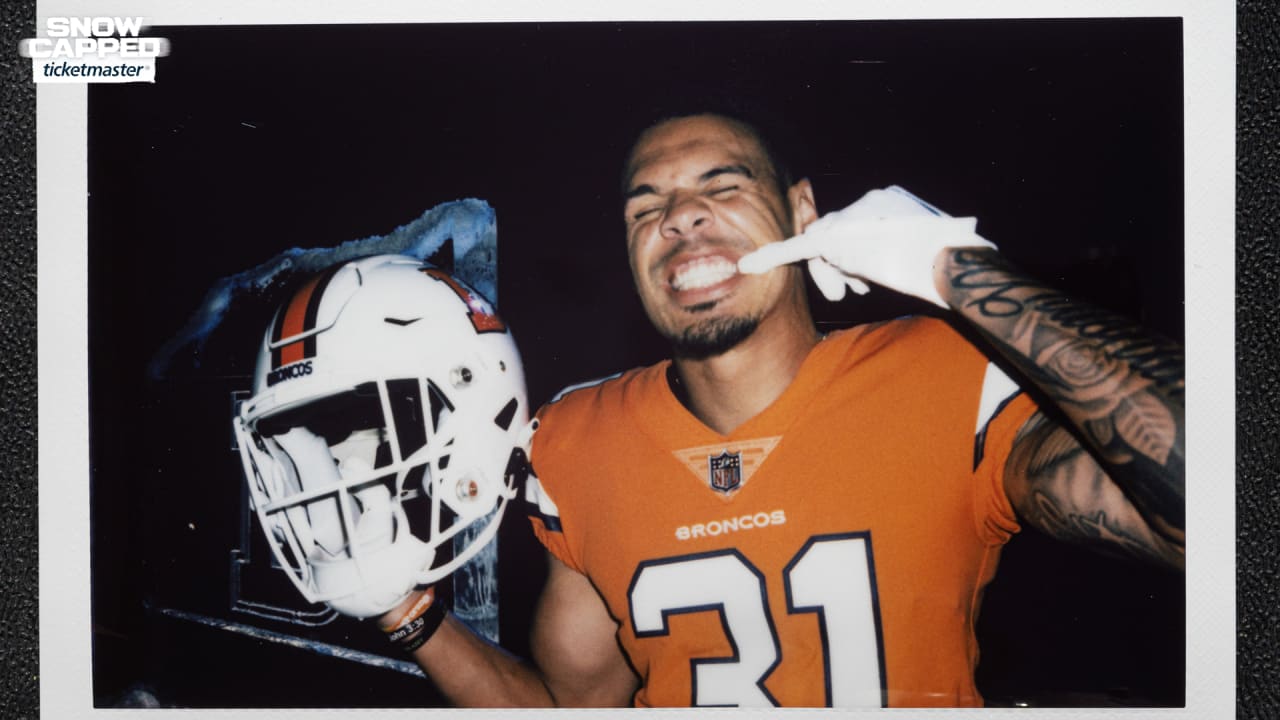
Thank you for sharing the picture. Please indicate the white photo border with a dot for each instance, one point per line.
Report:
(1209, 176)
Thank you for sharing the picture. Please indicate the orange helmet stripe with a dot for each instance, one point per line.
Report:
(299, 316)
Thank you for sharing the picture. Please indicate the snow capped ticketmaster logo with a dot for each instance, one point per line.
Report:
(93, 49)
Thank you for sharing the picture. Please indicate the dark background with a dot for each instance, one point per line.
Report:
(1008, 122)
(1064, 138)
(1257, 255)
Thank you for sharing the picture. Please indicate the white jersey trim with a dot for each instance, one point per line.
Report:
(534, 494)
(997, 388)
(583, 386)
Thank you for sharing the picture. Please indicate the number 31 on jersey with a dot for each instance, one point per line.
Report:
(832, 576)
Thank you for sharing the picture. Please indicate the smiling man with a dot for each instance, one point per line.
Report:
(702, 194)
(775, 517)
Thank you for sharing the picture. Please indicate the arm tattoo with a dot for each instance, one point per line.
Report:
(1070, 497)
(1121, 387)
(1106, 535)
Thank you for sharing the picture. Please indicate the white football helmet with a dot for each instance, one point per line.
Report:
(388, 414)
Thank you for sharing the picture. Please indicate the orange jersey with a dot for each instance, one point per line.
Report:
(831, 551)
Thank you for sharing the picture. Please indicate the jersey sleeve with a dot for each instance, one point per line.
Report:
(544, 514)
(1003, 410)
(554, 492)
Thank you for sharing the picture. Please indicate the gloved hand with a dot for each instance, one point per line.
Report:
(362, 569)
(889, 237)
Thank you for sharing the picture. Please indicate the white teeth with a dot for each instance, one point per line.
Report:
(703, 272)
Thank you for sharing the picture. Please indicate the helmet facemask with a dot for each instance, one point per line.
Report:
(362, 480)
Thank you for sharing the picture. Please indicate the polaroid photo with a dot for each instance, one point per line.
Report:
(193, 183)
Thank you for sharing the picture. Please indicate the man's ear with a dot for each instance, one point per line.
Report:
(803, 208)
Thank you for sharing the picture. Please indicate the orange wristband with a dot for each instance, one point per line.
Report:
(417, 624)
(420, 606)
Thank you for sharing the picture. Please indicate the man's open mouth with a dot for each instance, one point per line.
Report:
(702, 272)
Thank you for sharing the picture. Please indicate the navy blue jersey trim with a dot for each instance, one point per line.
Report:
(980, 440)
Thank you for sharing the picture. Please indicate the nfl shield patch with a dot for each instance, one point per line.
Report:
(725, 471)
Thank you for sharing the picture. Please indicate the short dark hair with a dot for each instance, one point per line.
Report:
(775, 136)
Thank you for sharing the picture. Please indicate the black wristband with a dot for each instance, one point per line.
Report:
(416, 632)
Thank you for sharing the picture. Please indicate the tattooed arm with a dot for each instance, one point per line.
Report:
(1120, 388)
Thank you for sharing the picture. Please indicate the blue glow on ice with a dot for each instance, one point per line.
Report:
(470, 223)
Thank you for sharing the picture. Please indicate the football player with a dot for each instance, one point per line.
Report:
(778, 517)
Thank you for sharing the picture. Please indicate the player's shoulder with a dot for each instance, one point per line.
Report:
(910, 333)
(587, 422)
(584, 406)
(594, 388)
(581, 396)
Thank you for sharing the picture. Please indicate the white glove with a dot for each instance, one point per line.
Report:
(372, 570)
(889, 237)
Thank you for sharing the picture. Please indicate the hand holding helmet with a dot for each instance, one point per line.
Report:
(388, 415)
(889, 237)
